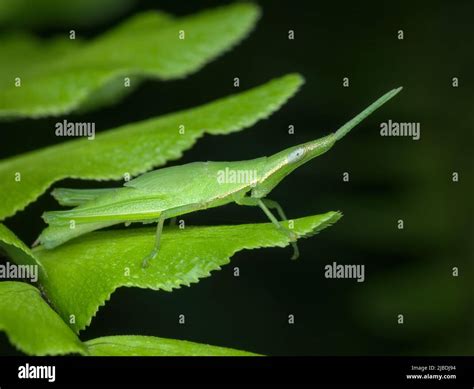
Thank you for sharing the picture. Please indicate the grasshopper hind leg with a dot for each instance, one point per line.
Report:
(154, 252)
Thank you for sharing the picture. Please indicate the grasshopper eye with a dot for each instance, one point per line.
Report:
(296, 155)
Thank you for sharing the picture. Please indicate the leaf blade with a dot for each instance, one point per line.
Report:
(35, 329)
(78, 283)
(53, 85)
(31, 325)
(153, 346)
(137, 147)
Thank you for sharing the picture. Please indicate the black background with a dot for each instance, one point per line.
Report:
(407, 271)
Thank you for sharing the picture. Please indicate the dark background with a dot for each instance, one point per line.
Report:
(408, 271)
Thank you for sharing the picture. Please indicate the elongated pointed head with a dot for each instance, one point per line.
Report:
(281, 164)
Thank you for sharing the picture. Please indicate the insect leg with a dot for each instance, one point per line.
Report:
(291, 235)
(155, 250)
(273, 204)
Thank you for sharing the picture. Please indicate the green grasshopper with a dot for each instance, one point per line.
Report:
(170, 192)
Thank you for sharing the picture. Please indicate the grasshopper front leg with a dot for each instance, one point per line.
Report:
(264, 205)
(154, 252)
